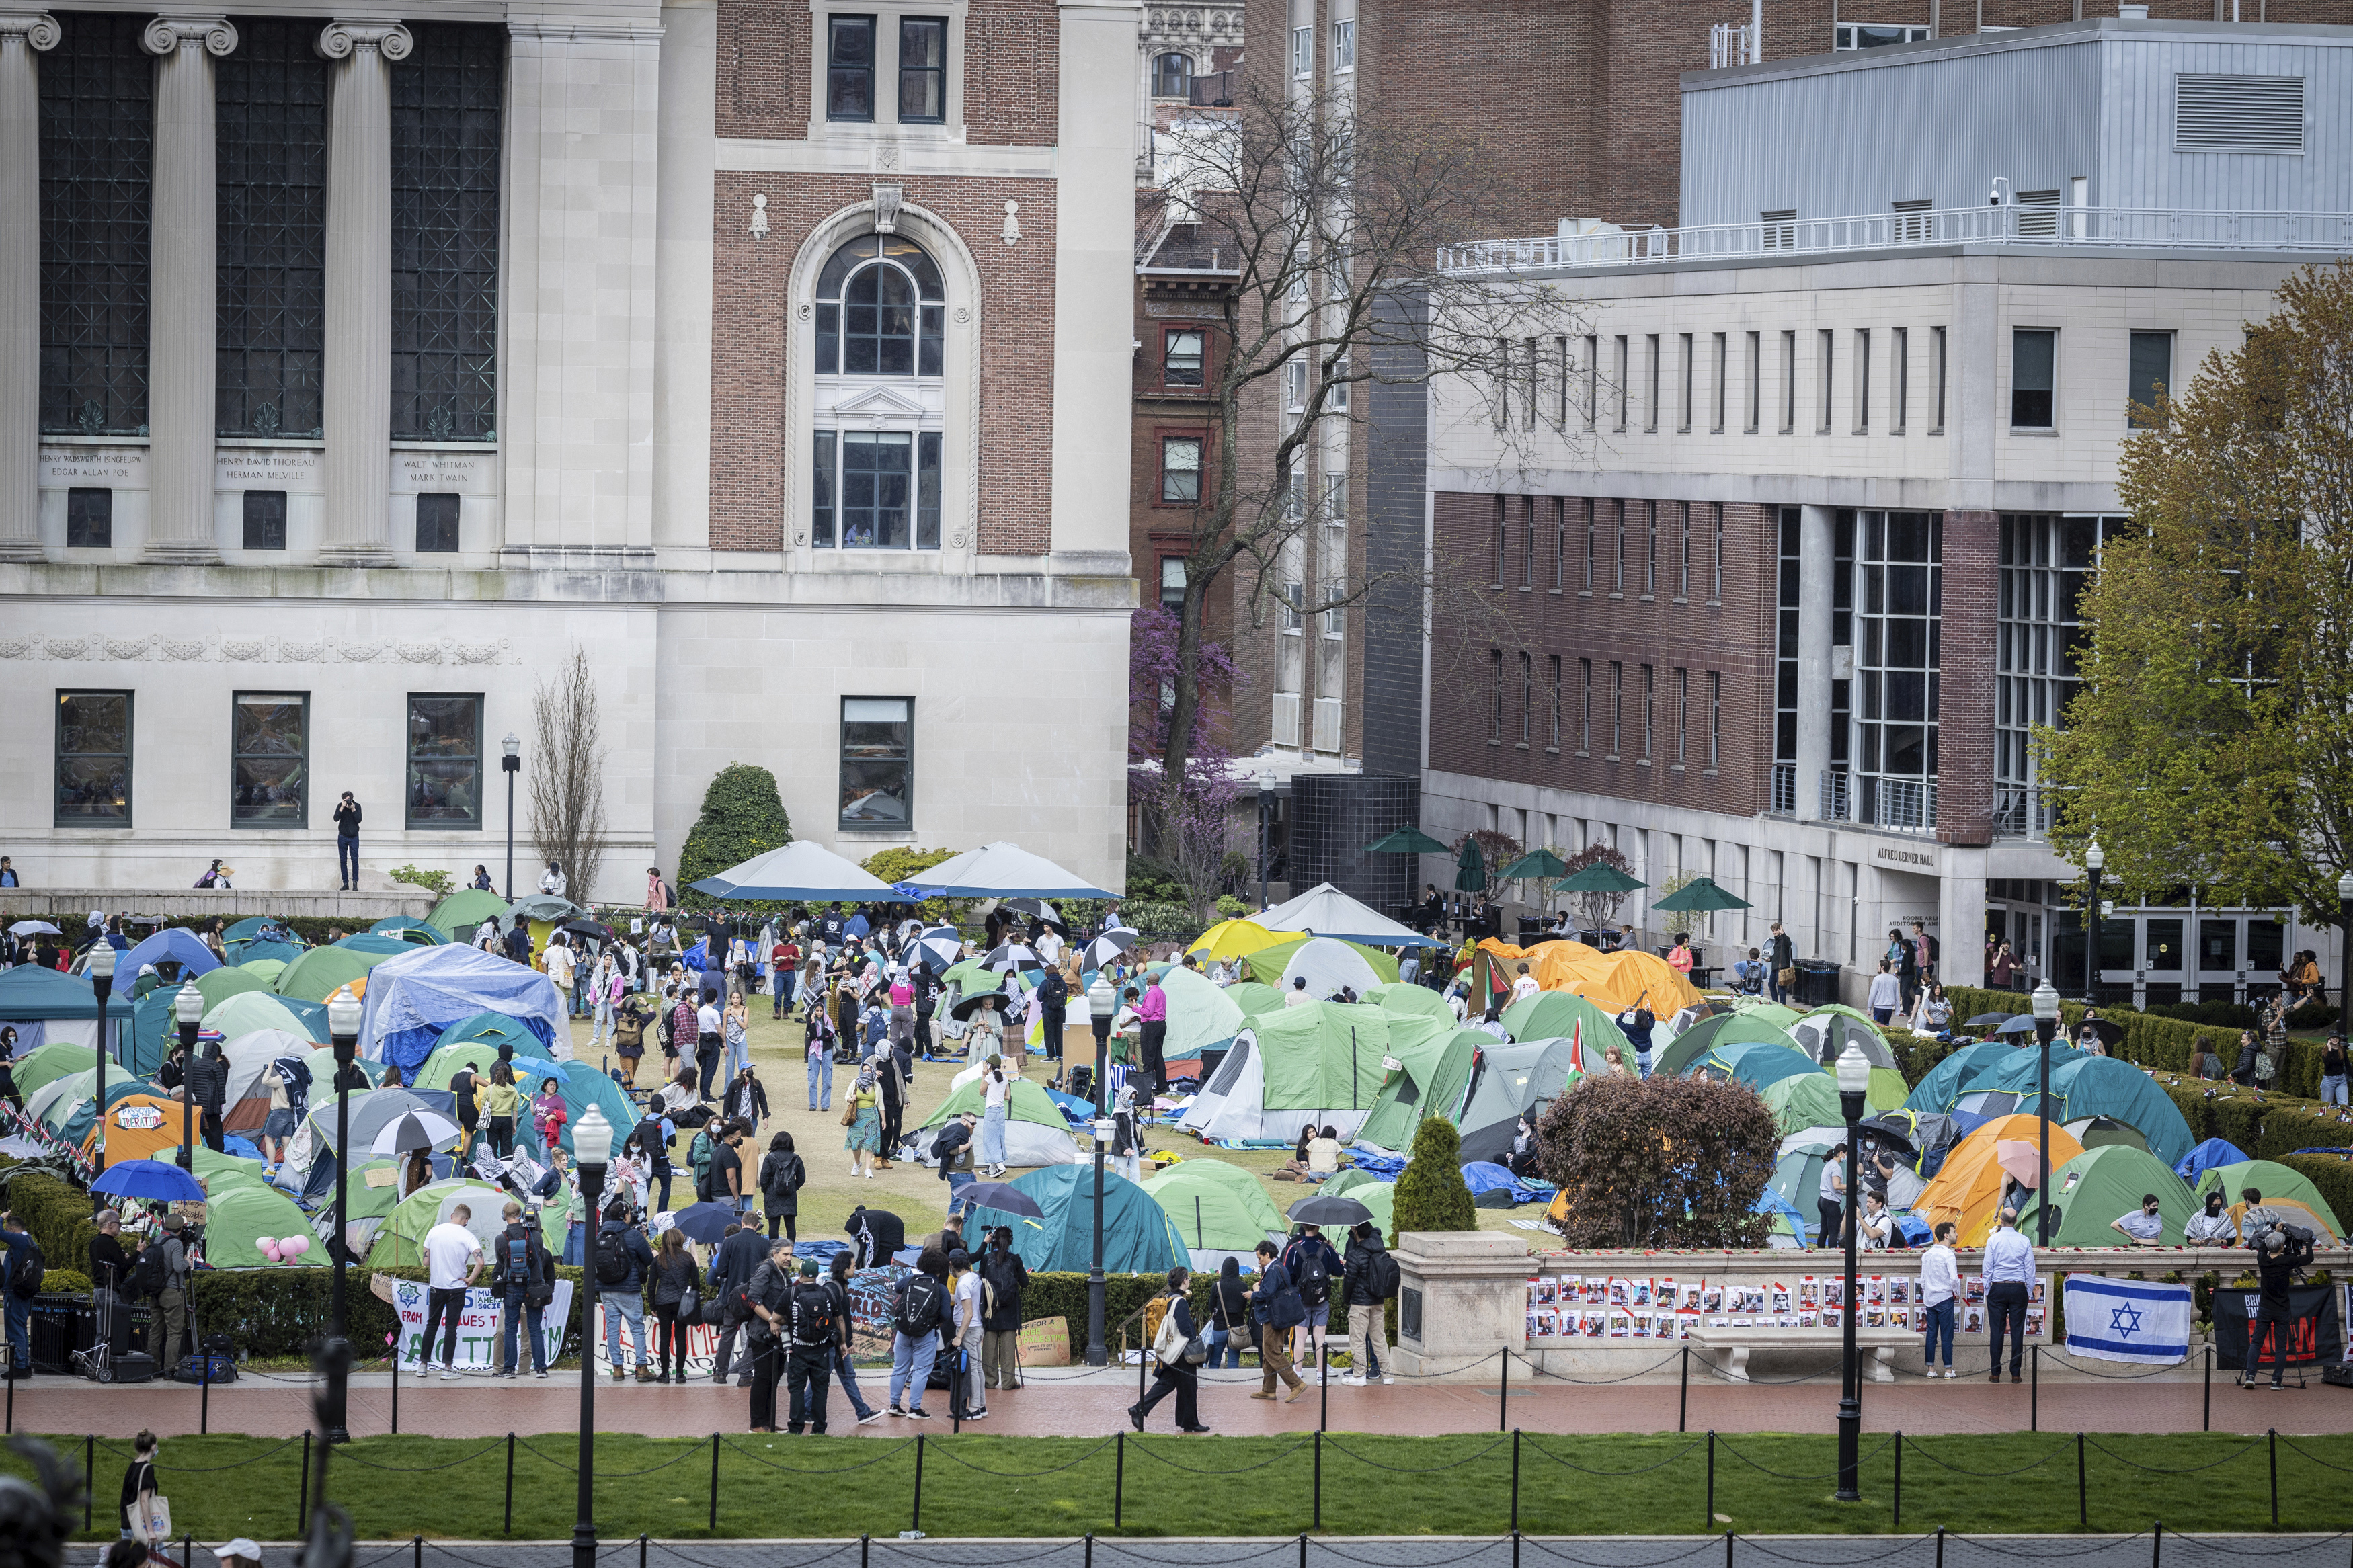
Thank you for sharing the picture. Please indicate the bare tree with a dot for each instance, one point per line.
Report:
(567, 779)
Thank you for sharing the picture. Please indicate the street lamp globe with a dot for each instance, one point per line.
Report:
(343, 1011)
(511, 746)
(592, 1138)
(2094, 858)
(2345, 888)
(189, 1007)
(2045, 1003)
(1854, 1070)
(101, 961)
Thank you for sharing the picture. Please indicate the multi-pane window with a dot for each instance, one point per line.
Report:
(1937, 378)
(849, 68)
(1181, 357)
(1343, 45)
(1172, 582)
(1584, 707)
(1617, 706)
(97, 117)
(1714, 719)
(880, 310)
(1682, 711)
(1650, 705)
(2152, 377)
(1180, 469)
(1861, 380)
(1825, 346)
(1788, 381)
(879, 491)
(270, 108)
(1874, 35)
(1303, 52)
(89, 519)
(1789, 535)
(1899, 594)
(1294, 386)
(922, 70)
(2033, 377)
(1649, 548)
(1715, 554)
(448, 101)
(1553, 669)
(269, 737)
(1590, 543)
(1528, 539)
(1618, 572)
(1495, 708)
(1559, 544)
(1683, 556)
(1721, 365)
(437, 522)
(1527, 700)
(93, 756)
(1900, 375)
(265, 520)
(877, 761)
(1502, 541)
(1172, 76)
(445, 759)
(2046, 564)
(1753, 404)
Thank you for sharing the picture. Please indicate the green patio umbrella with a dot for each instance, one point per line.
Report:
(1698, 895)
(1471, 869)
(1600, 877)
(1534, 863)
(1406, 841)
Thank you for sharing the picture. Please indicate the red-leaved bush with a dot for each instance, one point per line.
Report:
(1660, 1162)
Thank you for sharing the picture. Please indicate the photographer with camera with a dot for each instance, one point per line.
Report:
(2281, 1250)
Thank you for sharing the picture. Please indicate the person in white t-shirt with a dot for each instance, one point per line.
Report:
(453, 1260)
(558, 959)
(1525, 986)
(963, 1285)
(1048, 946)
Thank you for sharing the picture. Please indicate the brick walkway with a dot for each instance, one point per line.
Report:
(1087, 1403)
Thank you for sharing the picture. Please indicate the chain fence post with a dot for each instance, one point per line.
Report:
(1118, 1478)
(204, 1395)
(1323, 1397)
(915, 1517)
(395, 1387)
(1727, 1548)
(2035, 1388)
(865, 1550)
(511, 1445)
(2082, 1496)
(1940, 1546)
(1710, 1520)
(2272, 1442)
(2206, 1420)
(642, 1543)
(1515, 1493)
(89, 1465)
(1319, 1480)
(1089, 1561)
(714, 1483)
(2155, 1543)
(416, 1551)
(1682, 1402)
(1303, 1548)
(303, 1502)
(1503, 1385)
(1898, 1520)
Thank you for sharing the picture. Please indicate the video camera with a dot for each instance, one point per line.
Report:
(2278, 1240)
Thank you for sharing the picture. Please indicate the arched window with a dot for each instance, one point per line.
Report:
(881, 328)
(1172, 76)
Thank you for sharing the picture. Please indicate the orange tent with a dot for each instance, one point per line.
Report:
(1610, 981)
(1967, 1191)
(137, 1125)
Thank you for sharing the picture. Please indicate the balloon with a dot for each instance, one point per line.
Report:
(297, 1245)
(269, 1248)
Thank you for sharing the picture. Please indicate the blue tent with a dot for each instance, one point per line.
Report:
(413, 997)
(255, 951)
(1943, 1084)
(2087, 1085)
(1138, 1236)
(496, 1027)
(379, 941)
(2207, 1156)
(172, 945)
(408, 931)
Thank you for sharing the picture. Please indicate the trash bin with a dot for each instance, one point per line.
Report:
(60, 1325)
(1818, 983)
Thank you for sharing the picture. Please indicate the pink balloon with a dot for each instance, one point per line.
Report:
(269, 1250)
(297, 1245)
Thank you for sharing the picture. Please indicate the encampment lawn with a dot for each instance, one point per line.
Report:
(1766, 1484)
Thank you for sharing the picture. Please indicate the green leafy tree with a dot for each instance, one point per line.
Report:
(2212, 745)
(898, 865)
(1431, 1194)
(1660, 1162)
(743, 815)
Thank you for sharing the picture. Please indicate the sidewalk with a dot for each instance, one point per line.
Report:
(1084, 1403)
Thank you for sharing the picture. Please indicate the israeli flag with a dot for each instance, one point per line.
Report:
(2127, 1319)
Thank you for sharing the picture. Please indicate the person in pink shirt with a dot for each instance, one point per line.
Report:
(1152, 1009)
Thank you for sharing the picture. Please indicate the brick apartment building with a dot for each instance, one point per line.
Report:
(1790, 513)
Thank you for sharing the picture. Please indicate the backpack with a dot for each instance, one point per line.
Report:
(1386, 1275)
(514, 1268)
(812, 1315)
(146, 1278)
(1313, 1276)
(612, 1263)
(26, 1271)
(920, 1301)
(698, 1155)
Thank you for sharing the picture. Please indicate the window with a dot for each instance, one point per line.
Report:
(1584, 707)
(2238, 114)
(1344, 46)
(2033, 374)
(1937, 377)
(1824, 345)
(877, 761)
(1536, 381)
(1900, 373)
(270, 734)
(1303, 52)
(822, 490)
(1503, 383)
(93, 760)
(1618, 572)
(1336, 386)
(1496, 718)
(1753, 407)
(1172, 76)
(1715, 557)
(2152, 376)
(923, 70)
(1899, 600)
(1502, 541)
(445, 760)
(1560, 359)
(1559, 544)
(1553, 668)
(1592, 383)
(881, 311)
(1682, 559)
(1870, 35)
(1788, 383)
(449, 144)
(849, 68)
(1683, 420)
(437, 523)
(1617, 706)
(1335, 498)
(270, 109)
(1683, 712)
(887, 496)
(1862, 380)
(1649, 548)
(1714, 719)
(1528, 554)
(1649, 702)
(1788, 538)
(1294, 386)
(1624, 385)
(2046, 563)
(97, 129)
(89, 519)
(1172, 582)
(1591, 544)
(1181, 357)
(1180, 469)
(265, 520)
(1650, 381)
(1527, 700)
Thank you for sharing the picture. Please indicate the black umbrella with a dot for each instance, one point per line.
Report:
(2110, 1034)
(1013, 955)
(1038, 906)
(1892, 1134)
(1004, 1197)
(1329, 1208)
(596, 928)
(1983, 1019)
(967, 1005)
(2024, 1023)
(705, 1223)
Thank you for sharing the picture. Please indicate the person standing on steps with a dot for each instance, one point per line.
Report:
(347, 842)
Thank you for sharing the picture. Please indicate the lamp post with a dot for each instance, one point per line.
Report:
(102, 980)
(2046, 1023)
(1265, 810)
(343, 1029)
(511, 763)
(188, 1011)
(2344, 949)
(1097, 1354)
(1853, 1082)
(2094, 861)
(591, 1146)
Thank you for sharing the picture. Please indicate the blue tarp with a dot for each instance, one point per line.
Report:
(411, 998)
(1485, 1176)
(172, 945)
(2207, 1156)
(1076, 1111)
(1771, 1202)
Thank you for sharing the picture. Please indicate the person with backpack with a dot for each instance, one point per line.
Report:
(812, 1332)
(1003, 1275)
(1174, 1339)
(733, 1262)
(623, 1261)
(765, 1297)
(782, 1176)
(163, 1276)
(1276, 1308)
(18, 1286)
(836, 1280)
(525, 1276)
(651, 1141)
(917, 1309)
(1368, 1279)
(1315, 1270)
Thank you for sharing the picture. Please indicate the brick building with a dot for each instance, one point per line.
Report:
(1789, 514)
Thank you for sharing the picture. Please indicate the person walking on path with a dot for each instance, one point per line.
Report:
(1172, 1373)
(768, 1296)
(2008, 1275)
(1228, 1315)
(836, 1280)
(347, 842)
(1781, 964)
(1369, 1277)
(453, 1262)
(624, 1259)
(1940, 1291)
(890, 1103)
(782, 1177)
(733, 1262)
(917, 1309)
(1276, 1308)
(525, 1277)
(863, 1116)
(1314, 1268)
(1003, 1277)
(813, 1331)
(140, 1491)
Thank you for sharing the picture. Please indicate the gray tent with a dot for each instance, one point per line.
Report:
(1506, 1081)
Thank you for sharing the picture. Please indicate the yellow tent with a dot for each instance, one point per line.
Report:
(1236, 938)
(1610, 981)
(1968, 1190)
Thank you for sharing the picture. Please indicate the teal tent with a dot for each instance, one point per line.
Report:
(1138, 1236)
(1750, 1026)
(1943, 1084)
(2102, 1086)
(387, 944)
(1434, 1056)
(1755, 1065)
(408, 931)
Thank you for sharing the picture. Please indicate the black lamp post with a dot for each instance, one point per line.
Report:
(591, 1146)
(188, 1011)
(2046, 1024)
(101, 981)
(343, 1029)
(511, 763)
(2094, 861)
(1101, 999)
(1853, 1082)
(1265, 812)
(2345, 952)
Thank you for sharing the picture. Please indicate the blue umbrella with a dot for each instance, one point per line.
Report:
(149, 1179)
(705, 1223)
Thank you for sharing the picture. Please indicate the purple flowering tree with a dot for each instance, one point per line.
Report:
(1187, 818)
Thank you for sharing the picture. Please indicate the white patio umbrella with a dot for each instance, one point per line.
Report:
(1004, 871)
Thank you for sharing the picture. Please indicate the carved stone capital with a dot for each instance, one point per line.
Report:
(38, 28)
(887, 197)
(167, 35)
(340, 39)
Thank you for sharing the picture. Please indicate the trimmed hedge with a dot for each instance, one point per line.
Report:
(58, 1216)
(2152, 1041)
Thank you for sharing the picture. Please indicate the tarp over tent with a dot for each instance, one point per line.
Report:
(1218, 1208)
(2099, 1185)
(1969, 1190)
(2100, 1085)
(1613, 981)
(1750, 1026)
(1138, 1237)
(412, 998)
(2276, 1182)
(2206, 1156)
(1434, 1056)
(1944, 1083)
(171, 945)
(1510, 1080)
(48, 1007)
(1036, 1132)
(1325, 910)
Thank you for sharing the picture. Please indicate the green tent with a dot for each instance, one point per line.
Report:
(218, 1171)
(1217, 1206)
(376, 1199)
(154, 1025)
(1756, 1064)
(217, 985)
(253, 955)
(442, 1063)
(44, 1065)
(1798, 1172)
(314, 976)
(1825, 1033)
(1200, 1017)
(236, 1218)
(2098, 1086)
(1748, 1027)
(1559, 1016)
(408, 931)
(1138, 1238)
(1407, 999)
(1253, 998)
(1267, 964)
(1323, 1056)
(2274, 1182)
(1511, 1080)
(1370, 1191)
(1803, 1100)
(1433, 1058)
(2099, 1184)
(265, 970)
(1036, 1132)
(251, 1010)
(493, 1027)
(1943, 1082)
(401, 1242)
(456, 916)
(321, 1063)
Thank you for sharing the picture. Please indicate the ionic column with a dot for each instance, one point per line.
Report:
(22, 36)
(356, 389)
(183, 288)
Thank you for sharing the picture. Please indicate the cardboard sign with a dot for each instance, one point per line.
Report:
(477, 1348)
(1046, 1342)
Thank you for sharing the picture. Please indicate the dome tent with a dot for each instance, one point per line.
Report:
(2099, 1086)
(1559, 1014)
(1968, 1189)
(1218, 1208)
(1945, 1081)
(1320, 1063)
(239, 1214)
(1434, 1057)
(1370, 1191)
(1036, 1132)
(411, 999)
(2279, 1186)
(2098, 1185)
(1201, 1017)
(1750, 1026)
(1138, 1237)
(250, 1010)
(314, 976)
(458, 916)
(1825, 1033)
(401, 1242)
(1268, 965)
(1510, 1081)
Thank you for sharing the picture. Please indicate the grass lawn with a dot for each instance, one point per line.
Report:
(987, 1486)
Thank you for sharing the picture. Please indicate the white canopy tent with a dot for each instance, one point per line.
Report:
(801, 869)
(1004, 871)
(1327, 911)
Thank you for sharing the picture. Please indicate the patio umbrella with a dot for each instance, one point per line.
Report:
(1534, 863)
(1470, 870)
(1984, 1020)
(1406, 841)
(1329, 1208)
(34, 928)
(416, 1129)
(1102, 950)
(1013, 955)
(1698, 896)
(149, 1179)
(1600, 877)
(1002, 1195)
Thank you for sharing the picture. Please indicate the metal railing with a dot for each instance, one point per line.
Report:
(1733, 44)
(2023, 811)
(1904, 806)
(2158, 227)
(1785, 789)
(1834, 796)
